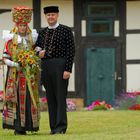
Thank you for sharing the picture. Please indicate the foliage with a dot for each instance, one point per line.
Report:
(128, 100)
(135, 107)
(99, 105)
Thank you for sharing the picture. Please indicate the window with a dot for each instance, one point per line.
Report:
(100, 19)
(101, 10)
(100, 27)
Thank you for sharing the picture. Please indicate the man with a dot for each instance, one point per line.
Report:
(55, 46)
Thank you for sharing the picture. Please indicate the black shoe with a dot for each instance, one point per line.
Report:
(61, 132)
(16, 132)
(51, 133)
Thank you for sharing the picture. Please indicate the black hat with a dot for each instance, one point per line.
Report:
(51, 9)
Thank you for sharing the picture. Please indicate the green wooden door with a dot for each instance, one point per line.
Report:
(100, 82)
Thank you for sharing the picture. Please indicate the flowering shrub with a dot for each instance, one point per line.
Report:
(129, 100)
(97, 105)
(135, 107)
(1, 95)
(70, 105)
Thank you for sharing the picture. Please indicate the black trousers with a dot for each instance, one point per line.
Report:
(56, 91)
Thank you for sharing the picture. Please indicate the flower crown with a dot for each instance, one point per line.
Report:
(22, 14)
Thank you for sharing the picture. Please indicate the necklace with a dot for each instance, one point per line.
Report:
(49, 48)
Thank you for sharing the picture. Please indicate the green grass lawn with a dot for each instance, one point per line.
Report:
(87, 125)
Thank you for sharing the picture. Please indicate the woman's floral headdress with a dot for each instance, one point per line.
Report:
(22, 14)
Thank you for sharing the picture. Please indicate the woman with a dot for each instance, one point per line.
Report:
(21, 101)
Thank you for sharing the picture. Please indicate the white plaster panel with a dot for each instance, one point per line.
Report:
(133, 77)
(116, 28)
(133, 46)
(83, 28)
(133, 14)
(8, 4)
(65, 11)
(71, 86)
(5, 24)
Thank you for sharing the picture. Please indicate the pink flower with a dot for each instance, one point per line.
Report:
(71, 106)
(1, 95)
(98, 104)
(5, 113)
(90, 107)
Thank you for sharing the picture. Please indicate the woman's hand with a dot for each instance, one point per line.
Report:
(10, 63)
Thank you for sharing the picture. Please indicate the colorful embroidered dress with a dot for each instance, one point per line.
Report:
(21, 99)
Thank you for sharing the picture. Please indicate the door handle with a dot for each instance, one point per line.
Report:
(93, 49)
(114, 76)
(100, 76)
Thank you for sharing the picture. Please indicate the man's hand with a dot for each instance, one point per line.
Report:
(66, 75)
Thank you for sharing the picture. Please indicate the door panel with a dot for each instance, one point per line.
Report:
(100, 72)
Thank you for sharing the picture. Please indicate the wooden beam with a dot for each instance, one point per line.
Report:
(37, 14)
(4, 10)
